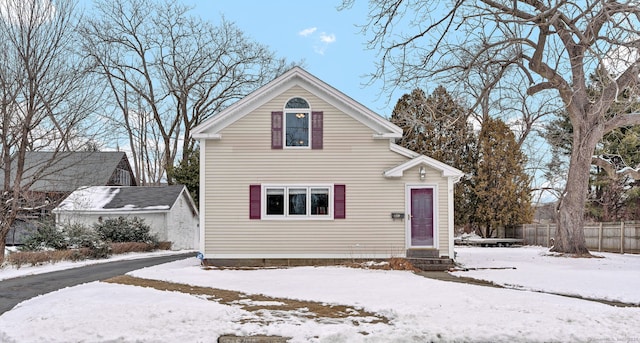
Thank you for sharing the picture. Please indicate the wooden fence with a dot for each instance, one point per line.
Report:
(621, 237)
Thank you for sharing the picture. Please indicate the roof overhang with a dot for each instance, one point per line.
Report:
(383, 129)
(445, 169)
(114, 211)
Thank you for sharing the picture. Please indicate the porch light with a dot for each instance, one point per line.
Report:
(423, 173)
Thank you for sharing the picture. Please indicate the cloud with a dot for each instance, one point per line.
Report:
(327, 39)
(321, 40)
(307, 32)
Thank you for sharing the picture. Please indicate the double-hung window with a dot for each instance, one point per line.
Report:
(297, 127)
(302, 202)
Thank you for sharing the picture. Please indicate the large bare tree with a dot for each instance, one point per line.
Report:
(160, 62)
(45, 96)
(552, 45)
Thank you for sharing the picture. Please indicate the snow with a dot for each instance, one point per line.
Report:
(9, 271)
(419, 309)
(89, 198)
(612, 277)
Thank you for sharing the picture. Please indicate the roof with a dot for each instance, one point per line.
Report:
(66, 171)
(210, 129)
(124, 199)
(416, 160)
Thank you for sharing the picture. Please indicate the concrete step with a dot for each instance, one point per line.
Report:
(432, 264)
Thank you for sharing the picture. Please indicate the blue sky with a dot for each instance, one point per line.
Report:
(328, 40)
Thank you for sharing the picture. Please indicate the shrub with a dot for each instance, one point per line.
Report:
(80, 236)
(100, 249)
(164, 245)
(119, 230)
(121, 248)
(35, 258)
(46, 237)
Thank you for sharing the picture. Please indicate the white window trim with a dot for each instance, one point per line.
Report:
(286, 216)
(284, 124)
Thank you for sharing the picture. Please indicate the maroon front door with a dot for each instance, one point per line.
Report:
(421, 217)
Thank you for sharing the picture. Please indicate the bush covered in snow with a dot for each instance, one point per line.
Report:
(68, 236)
(121, 229)
(46, 237)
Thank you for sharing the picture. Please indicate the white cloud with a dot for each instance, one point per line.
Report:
(327, 39)
(307, 32)
(620, 59)
(321, 40)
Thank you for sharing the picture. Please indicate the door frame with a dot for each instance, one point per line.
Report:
(407, 206)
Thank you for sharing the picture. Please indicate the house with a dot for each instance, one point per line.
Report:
(169, 210)
(298, 170)
(49, 177)
(64, 172)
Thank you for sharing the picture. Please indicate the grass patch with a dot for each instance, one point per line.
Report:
(258, 303)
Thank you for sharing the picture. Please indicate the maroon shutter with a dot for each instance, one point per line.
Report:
(254, 201)
(339, 202)
(276, 130)
(316, 130)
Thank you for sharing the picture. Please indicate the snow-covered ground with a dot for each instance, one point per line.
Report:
(611, 277)
(419, 309)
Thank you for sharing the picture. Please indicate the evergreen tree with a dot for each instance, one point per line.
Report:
(438, 127)
(502, 186)
(187, 173)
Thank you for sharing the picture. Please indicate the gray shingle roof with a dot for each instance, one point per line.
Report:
(67, 171)
(126, 199)
(145, 197)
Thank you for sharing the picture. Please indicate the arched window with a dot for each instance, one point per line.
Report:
(296, 122)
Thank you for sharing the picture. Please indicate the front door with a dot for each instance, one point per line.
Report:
(421, 217)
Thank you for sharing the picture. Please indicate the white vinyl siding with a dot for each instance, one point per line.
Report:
(350, 156)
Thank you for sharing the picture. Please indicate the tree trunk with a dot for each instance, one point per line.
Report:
(570, 223)
(2, 245)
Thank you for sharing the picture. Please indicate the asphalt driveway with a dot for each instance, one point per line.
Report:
(14, 291)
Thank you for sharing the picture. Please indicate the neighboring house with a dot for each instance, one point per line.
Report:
(168, 210)
(298, 170)
(49, 177)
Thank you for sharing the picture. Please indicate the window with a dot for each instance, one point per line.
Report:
(301, 202)
(297, 123)
(297, 127)
(297, 202)
(121, 177)
(275, 201)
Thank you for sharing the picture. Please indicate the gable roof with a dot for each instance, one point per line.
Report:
(125, 199)
(416, 160)
(66, 171)
(296, 76)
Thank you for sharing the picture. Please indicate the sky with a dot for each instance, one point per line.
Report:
(329, 41)
(530, 309)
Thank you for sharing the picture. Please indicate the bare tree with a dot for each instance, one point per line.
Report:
(554, 46)
(183, 69)
(45, 96)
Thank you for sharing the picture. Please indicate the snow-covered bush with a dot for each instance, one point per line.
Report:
(68, 236)
(46, 237)
(79, 236)
(121, 229)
